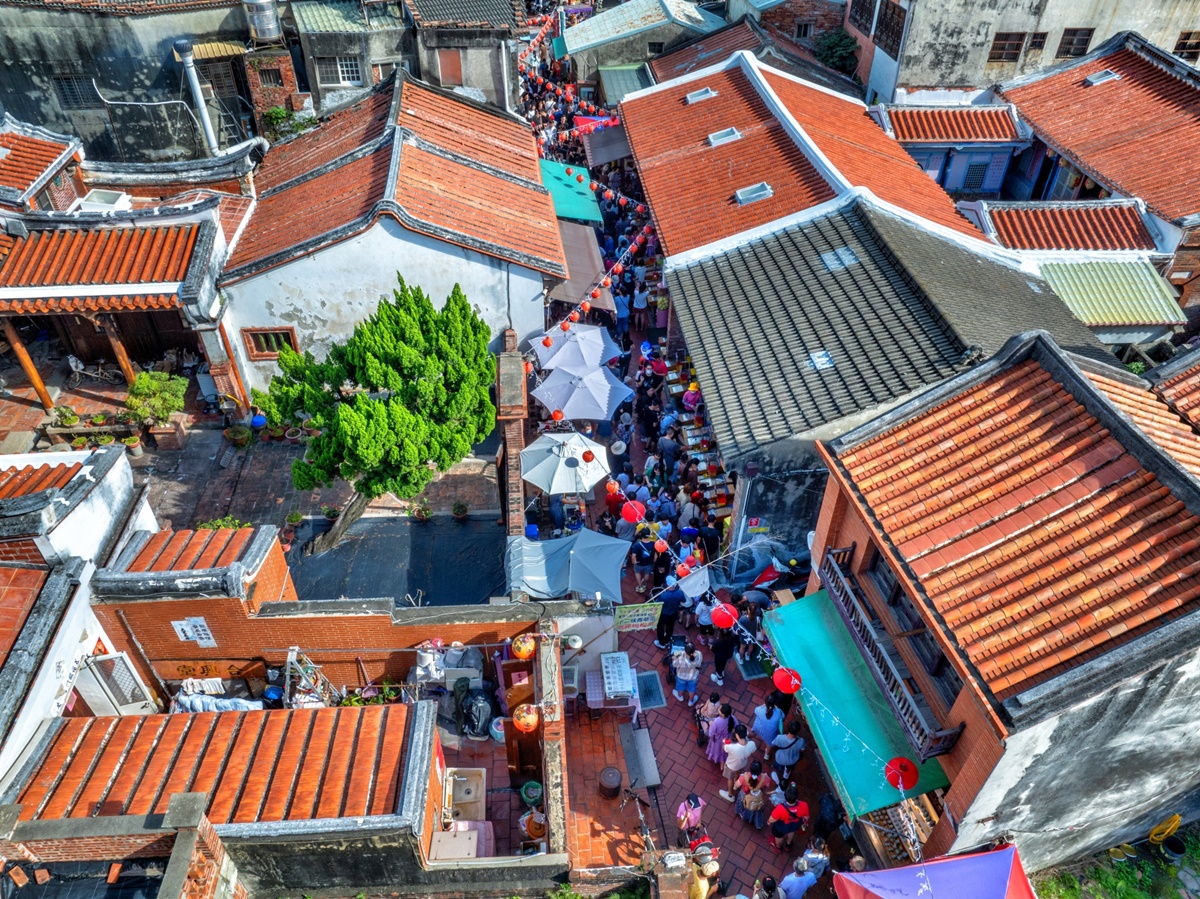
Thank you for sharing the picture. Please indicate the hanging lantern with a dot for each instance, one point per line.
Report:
(547, 341)
(682, 571)
(639, 240)
(624, 201)
(557, 414)
(541, 80)
(647, 230)
(528, 368)
(574, 132)
(901, 773)
(566, 326)
(661, 545)
(521, 69)
(558, 92)
(690, 561)
(641, 209)
(612, 487)
(589, 456)
(525, 718)
(574, 316)
(585, 305)
(524, 646)
(725, 615)
(570, 171)
(601, 112)
(618, 268)
(608, 195)
(633, 511)
(562, 137)
(579, 178)
(595, 293)
(593, 187)
(786, 680)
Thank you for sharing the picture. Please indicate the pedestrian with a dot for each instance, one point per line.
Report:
(817, 858)
(737, 757)
(719, 732)
(751, 789)
(766, 888)
(704, 622)
(687, 662)
(626, 529)
(768, 722)
(788, 747)
(671, 599)
(723, 648)
(788, 817)
(705, 873)
(607, 523)
(621, 301)
(796, 884)
(663, 565)
(710, 538)
(707, 712)
(642, 556)
(688, 815)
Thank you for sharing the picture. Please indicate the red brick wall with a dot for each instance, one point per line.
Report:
(61, 189)
(1187, 261)
(821, 14)
(273, 583)
(94, 848)
(264, 97)
(22, 552)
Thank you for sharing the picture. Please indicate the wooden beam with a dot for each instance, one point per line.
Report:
(27, 366)
(109, 325)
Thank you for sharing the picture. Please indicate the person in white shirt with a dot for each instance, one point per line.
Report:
(737, 757)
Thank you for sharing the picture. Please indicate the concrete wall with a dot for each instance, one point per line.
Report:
(325, 294)
(488, 58)
(131, 59)
(820, 15)
(391, 45)
(631, 49)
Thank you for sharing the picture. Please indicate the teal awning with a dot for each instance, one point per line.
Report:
(558, 48)
(809, 636)
(572, 200)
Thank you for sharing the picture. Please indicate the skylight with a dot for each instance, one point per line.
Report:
(836, 260)
(705, 93)
(1101, 77)
(754, 192)
(821, 360)
(724, 136)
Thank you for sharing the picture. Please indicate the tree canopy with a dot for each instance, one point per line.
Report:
(406, 394)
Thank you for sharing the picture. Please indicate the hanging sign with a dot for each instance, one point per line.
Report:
(637, 618)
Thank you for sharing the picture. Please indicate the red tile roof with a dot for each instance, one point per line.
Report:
(1183, 393)
(110, 303)
(917, 124)
(1126, 132)
(339, 134)
(100, 256)
(254, 766)
(1035, 535)
(1070, 226)
(1152, 414)
(691, 185)
(19, 590)
(26, 160)
(34, 479)
(709, 50)
(192, 550)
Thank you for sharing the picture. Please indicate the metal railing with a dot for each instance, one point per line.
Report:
(926, 737)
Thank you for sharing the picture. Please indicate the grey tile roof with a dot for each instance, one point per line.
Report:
(464, 13)
(804, 327)
(345, 17)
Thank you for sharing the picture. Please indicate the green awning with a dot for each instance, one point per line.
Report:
(572, 200)
(618, 81)
(809, 636)
(1126, 293)
(558, 48)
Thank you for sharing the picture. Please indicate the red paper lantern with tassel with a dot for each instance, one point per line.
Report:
(589, 456)
(557, 415)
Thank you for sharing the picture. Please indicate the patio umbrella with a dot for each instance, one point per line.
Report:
(586, 563)
(555, 462)
(593, 396)
(580, 350)
(984, 875)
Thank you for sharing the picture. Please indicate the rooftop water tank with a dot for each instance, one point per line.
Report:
(264, 20)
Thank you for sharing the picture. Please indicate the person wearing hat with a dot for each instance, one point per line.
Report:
(705, 871)
(796, 884)
(689, 813)
(691, 397)
(620, 455)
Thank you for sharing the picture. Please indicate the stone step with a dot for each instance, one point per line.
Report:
(639, 756)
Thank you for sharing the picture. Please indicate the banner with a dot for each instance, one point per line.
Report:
(637, 618)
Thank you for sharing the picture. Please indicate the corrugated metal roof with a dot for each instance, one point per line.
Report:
(215, 50)
(621, 80)
(634, 16)
(344, 17)
(1114, 293)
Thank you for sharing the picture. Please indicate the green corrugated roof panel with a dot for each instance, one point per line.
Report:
(344, 17)
(572, 200)
(1114, 293)
(844, 705)
(621, 80)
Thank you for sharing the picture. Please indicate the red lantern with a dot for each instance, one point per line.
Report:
(641, 209)
(574, 316)
(593, 187)
(618, 268)
(525, 718)
(786, 680)
(607, 282)
(566, 326)
(570, 171)
(521, 69)
(682, 571)
(901, 773)
(612, 487)
(589, 456)
(601, 112)
(624, 201)
(562, 137)
(725, 615)
(541, 80)
(608, 195)
(558, 92)
(574, 132)
(547, 341)
(528, 368)
(595, 293)
(647, 230)
(557, 415)
(639, 240)
(690, 561)
(660, 545)
(585, 305)
(579, 178)
(524, 646)
(633, 511)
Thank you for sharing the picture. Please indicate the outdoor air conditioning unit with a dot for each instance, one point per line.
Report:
(104, 201)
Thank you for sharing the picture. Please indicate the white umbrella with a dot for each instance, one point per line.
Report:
(555, 462)
(593, 396)
(580, 350)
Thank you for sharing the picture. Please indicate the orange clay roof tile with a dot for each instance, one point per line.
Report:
(26, 160)
(952, 124)
(1070, 226)
(192, 550)
(1182, 392)
(100, 256)
(19, 590)
(34, 479)
(710, 49)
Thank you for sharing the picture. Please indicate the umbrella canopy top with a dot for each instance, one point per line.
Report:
(586, 563)
(595, 395)
(555, 462)
(582, 349)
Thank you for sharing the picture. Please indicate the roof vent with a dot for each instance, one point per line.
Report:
(705, 93)
(4, 151)
(820, 360)
(1101, 77)
(836, 260)
(724, 136)
(104, 201)
(759, 191)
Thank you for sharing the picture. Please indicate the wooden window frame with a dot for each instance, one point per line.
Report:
(890, 22)
(1188, 46)
(862, 15)
(1007, 46)
(256, 355)
(1037, 40)
(1069, 46)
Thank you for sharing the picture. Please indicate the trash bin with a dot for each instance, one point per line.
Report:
(610, 783)
(496, 729)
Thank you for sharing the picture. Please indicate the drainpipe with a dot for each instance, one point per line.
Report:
(184, 48)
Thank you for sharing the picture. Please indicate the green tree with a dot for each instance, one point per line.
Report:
(837, 49)
(405, 396)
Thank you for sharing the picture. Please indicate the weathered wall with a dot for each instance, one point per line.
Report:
(821, 15)
(131, 59)
(631, 49)
(786, 504)
(390, 45)
(488, 61)
(325, 294)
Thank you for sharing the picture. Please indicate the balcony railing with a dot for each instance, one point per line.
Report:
(910, 708)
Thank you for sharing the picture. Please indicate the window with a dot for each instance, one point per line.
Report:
(1075, 42)
(754, 192)
(339, 70)
(265, 343)
(1037, 40)
(803, 30)
(862, 12)
(889, 28)
(704, 93)
(1188, 45)
(218, 76)
(1006, 46)
(724, 136)
(976, 173)
(76, 92)
(654, 47)
(450, 68)
(270, 77)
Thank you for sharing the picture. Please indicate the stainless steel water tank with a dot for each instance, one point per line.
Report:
(264, 19)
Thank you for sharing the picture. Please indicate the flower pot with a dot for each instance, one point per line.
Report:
(79, 443)
(279, 434)
(293, 436)
(264, 435)
(134, 447)
(310, 428)
(285, 545)
(332, 514)
(287, 534)
(422, 516)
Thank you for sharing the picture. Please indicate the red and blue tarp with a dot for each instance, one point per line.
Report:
(983, 875)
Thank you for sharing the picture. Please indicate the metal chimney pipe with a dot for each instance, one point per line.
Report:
(184, 48)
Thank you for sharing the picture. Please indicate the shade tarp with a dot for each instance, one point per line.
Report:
(571, 199)
(983, 875)
(586, 563)
(810, 636)
(586, 267)
(606, 145)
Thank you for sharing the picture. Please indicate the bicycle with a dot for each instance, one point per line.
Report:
(650, 853)
(79, 371)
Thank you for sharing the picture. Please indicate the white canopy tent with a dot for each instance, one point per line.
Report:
(586, 563)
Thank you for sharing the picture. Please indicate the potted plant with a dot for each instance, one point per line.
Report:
(331, 512)
(265, 435)
(156, 398)
(126, 417)
(294, 518)
(310, 427)
(293, 436)
(98, 420)
(67, 417)
(288, 533)
(133, 443)
(238, 435)
(459, 510)
(105, 440)
(79, 443)
(420, 510)
(278, 433)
